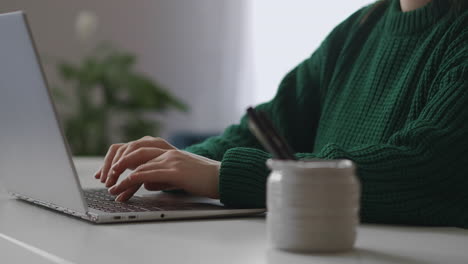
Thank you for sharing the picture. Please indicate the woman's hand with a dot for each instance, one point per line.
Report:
(117, 151)
(158, 166)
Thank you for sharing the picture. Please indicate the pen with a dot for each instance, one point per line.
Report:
(264, 130)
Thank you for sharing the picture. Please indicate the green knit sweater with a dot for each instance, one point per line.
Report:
(390, 93)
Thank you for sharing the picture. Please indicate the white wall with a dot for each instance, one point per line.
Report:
(218, 55)
(281, 34)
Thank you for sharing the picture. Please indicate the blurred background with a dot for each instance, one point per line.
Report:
(179, 69)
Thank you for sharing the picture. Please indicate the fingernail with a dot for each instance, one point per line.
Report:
(111, 190)
(109, 174)
(119, 198)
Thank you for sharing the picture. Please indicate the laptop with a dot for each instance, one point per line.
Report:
(35, 161)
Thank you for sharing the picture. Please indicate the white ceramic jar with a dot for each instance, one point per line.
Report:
(312, 205)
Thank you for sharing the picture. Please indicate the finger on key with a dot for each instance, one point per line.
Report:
(123, 197)
(145, 166)
(116, 171)
(108, 160)
(145, 142)
(134, 160)
(117, 156)
(97, 175)
(140, 177)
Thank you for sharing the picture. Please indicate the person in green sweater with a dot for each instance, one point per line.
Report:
(387, 89)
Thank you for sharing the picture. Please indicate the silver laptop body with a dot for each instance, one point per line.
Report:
(35, 161)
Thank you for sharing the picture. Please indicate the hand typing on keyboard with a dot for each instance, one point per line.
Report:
(158, 166)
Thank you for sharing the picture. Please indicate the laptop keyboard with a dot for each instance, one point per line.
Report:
(100, 199)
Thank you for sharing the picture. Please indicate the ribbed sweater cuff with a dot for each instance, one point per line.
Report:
(242, 179)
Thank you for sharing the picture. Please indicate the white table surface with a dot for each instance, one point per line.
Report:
(31, 234)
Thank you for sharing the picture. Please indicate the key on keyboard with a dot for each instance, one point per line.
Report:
(101, 200)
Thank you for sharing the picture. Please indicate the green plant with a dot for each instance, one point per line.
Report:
(105, 86)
